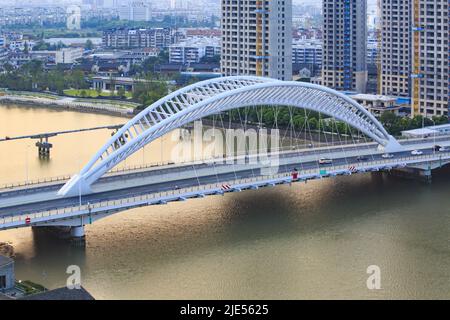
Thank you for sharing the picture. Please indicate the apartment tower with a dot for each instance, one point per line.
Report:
(395, 44)
(430, 57)
(344, 45)
(257, 38)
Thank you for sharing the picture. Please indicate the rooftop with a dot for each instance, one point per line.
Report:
(61, 294)
(428, 131)
(5, 260)
(373, 97)
(198, 42)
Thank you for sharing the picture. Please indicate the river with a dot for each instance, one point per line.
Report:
(305, 241)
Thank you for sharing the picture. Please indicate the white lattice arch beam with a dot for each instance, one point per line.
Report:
(214, 96)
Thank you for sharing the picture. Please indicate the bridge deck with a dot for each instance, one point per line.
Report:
(178, 178)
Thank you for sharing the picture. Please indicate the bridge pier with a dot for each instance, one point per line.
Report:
(74, 234)
(77, 234)
(419, 174)
(44, 147)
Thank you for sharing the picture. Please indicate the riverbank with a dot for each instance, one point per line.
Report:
(31, 99)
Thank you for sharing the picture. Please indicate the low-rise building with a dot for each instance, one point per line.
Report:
(20, 45)
(139, 38)
(443, 129)
(192, 50)
(18, 59)
(7, 277)
(3, 55)
(68, 55)
(377, 104)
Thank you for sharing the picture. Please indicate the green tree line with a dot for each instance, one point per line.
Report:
(299, 119)
(32, 77)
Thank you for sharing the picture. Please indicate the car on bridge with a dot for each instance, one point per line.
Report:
(387, 156)
(439, 148)
(325, 161)
(416, 152)
(362, 158)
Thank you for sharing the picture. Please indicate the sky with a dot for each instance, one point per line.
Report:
(318, 3)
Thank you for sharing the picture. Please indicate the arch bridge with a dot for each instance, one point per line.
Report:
(213, 96)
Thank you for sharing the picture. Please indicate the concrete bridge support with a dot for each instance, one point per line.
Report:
(77, 235)
(74, 234)
(420, 174)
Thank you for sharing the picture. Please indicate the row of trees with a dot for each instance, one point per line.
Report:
(150, 91)
(284, 117)
(32, 77)
(396, 124)
(42, 45)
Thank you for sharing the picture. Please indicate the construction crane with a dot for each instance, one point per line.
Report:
(379, 32)
(260, 29)
(416, 73)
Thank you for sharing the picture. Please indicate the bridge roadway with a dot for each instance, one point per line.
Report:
(153, 180)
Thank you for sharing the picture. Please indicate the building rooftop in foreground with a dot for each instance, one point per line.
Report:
(373, 97)
(427, 131)
(5, 260)
(61, 294)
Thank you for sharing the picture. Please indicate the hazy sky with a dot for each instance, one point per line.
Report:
(318, 3)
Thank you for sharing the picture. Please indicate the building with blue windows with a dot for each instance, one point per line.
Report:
(344, 45)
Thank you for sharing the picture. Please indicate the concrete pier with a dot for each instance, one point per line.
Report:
(44, 148)
(74, 234)
(423, 175)
(77, 235)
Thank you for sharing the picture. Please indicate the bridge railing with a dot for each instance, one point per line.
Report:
(13, 185)
(139, 167)
(133, 200)
(211, 188)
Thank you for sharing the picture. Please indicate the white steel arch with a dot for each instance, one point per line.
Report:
(216, 95)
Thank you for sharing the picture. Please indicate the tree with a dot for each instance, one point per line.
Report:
(8, 67)
(41, 45)
(121, 92)
(213, 60)
(112, 83)
(88, 45)
(149, 91)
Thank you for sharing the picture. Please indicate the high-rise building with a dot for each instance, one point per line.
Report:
(135, 11)
(125, 12)
(430, 57)
(395, 56)
(140, 11)
(257, 38)
(344, 44)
